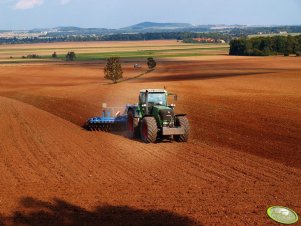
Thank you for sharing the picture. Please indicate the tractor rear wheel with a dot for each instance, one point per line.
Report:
(149, 130)
(132, 125)
(183, 122)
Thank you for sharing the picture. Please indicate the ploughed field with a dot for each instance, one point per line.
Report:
(244, 153)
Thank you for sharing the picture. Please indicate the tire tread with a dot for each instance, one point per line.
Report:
(183, 122)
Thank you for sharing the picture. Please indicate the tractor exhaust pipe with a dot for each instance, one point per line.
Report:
(146, 102)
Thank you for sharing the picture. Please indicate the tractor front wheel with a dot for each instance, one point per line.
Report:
(149, 130)
(183, 122)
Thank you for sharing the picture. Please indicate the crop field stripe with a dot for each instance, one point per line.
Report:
(83, 54)
(106, 47)
(79, 58)
(91, 47)
(84, 57)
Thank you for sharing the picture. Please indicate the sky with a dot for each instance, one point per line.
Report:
(28, 14)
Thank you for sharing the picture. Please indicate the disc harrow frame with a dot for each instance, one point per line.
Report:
(109, 121)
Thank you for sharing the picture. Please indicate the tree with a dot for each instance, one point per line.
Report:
(257, 52)
(279, 44)
(238, 47)
(266, 46)
(54, 55)
(288, 46)
(151, 63)
(113, 70)
(70, 56)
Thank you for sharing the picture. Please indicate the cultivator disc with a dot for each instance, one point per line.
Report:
(106, 127)
(106, 124)
(111, 120)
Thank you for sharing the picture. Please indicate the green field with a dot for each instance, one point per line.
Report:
(13, 54)
(146, 53)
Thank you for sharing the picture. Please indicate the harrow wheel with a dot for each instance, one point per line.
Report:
(132, 125)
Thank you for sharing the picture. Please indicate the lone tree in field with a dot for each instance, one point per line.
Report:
(151, 63)
(70, 56)
(54, 55)
(113, 70)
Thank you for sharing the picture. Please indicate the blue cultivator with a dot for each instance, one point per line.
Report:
(108, 121)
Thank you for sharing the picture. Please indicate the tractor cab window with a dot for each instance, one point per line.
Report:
(153, 98)
(157, 98)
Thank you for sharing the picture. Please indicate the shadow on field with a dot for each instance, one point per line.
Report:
(62, 213)
(197, 76)
(1, 220)
(129, 79)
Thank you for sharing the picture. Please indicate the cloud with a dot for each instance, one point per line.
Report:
(64, 2)
(27, 4)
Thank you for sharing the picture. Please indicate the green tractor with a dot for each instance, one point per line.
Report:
(154, 119)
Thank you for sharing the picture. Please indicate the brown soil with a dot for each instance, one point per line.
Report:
(244, 154)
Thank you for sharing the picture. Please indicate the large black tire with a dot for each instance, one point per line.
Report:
(132, 125)
(183, 122)
(149, 130)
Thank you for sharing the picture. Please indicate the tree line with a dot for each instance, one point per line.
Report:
(115, 37)
(266, 46)
(240, 32)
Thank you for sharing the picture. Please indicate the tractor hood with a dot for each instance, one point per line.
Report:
(165, 114)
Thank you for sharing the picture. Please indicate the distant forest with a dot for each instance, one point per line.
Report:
(265, 46)
(240, 32)
(81, 35)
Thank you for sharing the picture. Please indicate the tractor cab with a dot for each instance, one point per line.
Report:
(154, 102)
(151, 98)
